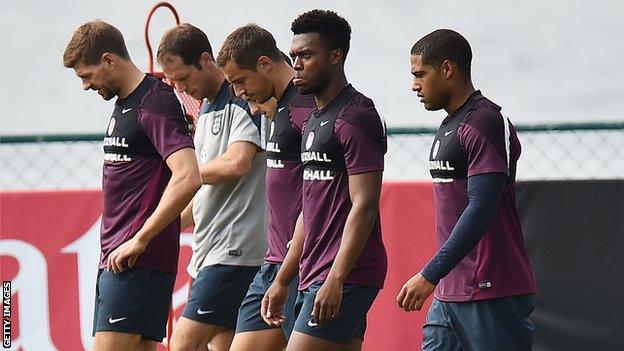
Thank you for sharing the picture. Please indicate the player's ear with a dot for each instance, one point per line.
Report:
(447, 68)
(264, 64)
(336, 57)
(107, 60)
(205, 59)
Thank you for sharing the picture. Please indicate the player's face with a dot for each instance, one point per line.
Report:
(429, 84)
(267, 108)
(97, 77)
(311, 62)
(187, 78)
(253, 86)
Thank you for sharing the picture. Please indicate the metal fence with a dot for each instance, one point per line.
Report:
(562, 151)
(557, 151)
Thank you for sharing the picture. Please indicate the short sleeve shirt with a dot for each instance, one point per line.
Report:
(284, 170)
(145, 128)
(230, 218)
(346, 137)
(478, 139)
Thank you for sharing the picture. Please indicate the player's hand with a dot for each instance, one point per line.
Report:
(414, 293)
(327, 301)
(272, 307)
(127, 252)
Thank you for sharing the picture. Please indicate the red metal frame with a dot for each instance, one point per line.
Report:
(160, 75)
(150, 53)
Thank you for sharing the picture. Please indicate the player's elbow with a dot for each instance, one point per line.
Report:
(366, 207)
(195, 182)
(240, 168)
(191, 182)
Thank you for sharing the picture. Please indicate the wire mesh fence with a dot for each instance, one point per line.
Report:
(51, 165)
(570, 151)
(562, 151)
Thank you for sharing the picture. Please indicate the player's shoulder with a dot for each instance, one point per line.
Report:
(358, 107)
(237, 105)
(299, 100)
(227, 103)
(239, 113)
(237, 102)
(161, 99)
(485, 116)
(361, 112)
(300, 107)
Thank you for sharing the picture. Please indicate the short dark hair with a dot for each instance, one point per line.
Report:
(246, 44)
(186, 41)
(90, 41)
(332, 28)
(444, 44)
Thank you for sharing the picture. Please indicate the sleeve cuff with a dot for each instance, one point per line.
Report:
(429, 273)
(252, 140)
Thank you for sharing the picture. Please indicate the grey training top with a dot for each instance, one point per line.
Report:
(230, 218)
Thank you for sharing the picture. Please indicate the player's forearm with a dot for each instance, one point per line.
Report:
(484, 192)
(357, 230)
(223, 169)
(290, 266)
(179, 192)
(186, 217)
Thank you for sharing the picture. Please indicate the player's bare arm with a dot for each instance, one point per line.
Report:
(364, 192)
(231, 165)
(272, 309)
(186, 217)
(184, 182)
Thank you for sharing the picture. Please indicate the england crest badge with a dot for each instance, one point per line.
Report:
(217, 123)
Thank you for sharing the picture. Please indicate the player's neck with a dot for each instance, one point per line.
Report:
(459, 97)
(332, 89)
(132, 78)
(215, 84)
(284, 75)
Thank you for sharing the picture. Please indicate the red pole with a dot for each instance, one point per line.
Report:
(150, 69)
(150, 53)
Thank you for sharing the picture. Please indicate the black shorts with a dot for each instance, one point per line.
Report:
(351, 321)
(249, 318)
(217, 293)
(135, 301)
(494, 324)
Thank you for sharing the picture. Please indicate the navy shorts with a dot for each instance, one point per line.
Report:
(351, 321)
(496, 324)
(136, 301)
(249, 318)
(217, 293)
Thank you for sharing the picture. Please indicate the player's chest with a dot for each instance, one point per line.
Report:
(282, 138)
(319, 144)
(447, 159)
(212, 135)
(123, 131)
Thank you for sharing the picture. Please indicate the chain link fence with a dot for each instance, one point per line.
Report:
(563, 151)
(560, 151)
(51, 162)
